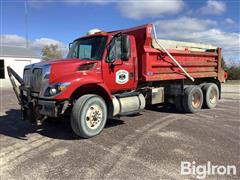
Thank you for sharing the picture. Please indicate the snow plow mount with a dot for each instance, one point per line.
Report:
(12, 76)
(25, 101)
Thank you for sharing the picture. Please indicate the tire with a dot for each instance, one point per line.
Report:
(89, 116)
(211, 95)
(193, 99)
(179, 104)
(202, 85)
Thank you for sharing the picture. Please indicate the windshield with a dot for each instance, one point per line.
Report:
(90, 48)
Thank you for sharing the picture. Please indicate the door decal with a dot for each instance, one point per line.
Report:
(122, 77)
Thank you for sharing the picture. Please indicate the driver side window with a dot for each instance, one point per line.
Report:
(115, 49)
(118, 48)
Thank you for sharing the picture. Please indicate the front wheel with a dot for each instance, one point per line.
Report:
(89, 116)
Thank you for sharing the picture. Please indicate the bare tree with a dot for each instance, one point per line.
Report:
(51, 52)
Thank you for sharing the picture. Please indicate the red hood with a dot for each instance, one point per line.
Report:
(62, 61)
(66, 64)
(65, 67)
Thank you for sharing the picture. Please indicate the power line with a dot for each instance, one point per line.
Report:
(26, 22)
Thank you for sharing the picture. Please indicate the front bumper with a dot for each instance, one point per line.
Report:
(34, 108)
(48, 108)
(41, 107)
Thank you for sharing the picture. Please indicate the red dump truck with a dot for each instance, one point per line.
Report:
(108, 74)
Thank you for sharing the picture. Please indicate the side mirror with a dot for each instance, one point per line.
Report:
(70, 45)
(126, 47)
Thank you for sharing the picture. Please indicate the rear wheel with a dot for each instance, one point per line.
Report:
(193, 99)
(89, 116)
(211, 95)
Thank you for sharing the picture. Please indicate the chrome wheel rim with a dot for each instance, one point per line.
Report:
(94, 116)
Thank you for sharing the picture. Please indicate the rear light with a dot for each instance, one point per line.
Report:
(226, 75)
(88, 66)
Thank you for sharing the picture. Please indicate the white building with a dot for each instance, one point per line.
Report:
(16, 58)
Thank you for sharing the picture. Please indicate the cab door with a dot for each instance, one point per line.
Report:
(119, 68)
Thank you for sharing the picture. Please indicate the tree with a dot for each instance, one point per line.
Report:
(51, 52)
(232, 68)
(234, 71)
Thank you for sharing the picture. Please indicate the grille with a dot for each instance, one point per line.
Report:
(36, 80)
(27, 77)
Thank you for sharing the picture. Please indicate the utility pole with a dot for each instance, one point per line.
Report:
(26, 22)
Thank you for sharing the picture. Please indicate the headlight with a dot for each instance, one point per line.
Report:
(55, 89)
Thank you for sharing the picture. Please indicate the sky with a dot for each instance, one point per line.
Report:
(59, 22)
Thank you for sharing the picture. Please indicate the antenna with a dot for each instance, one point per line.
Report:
(26, 22)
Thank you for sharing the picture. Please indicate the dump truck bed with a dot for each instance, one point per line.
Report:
(199, 60)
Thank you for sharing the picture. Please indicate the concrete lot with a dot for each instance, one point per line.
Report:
(151, 145)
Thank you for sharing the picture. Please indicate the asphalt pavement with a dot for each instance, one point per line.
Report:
(151, 145)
